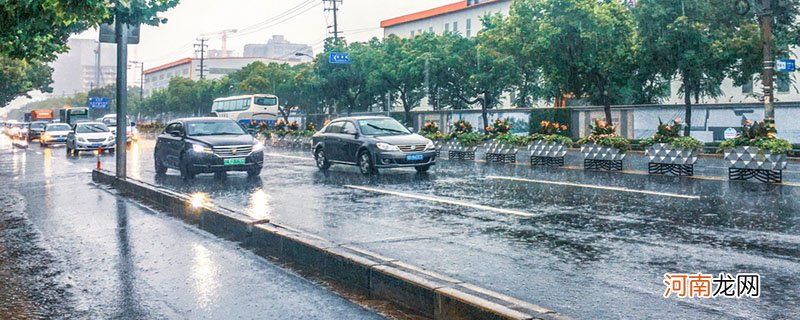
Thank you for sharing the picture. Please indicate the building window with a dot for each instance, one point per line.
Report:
(412, 33)
(748, 87)
(446, 27)
(455, 27)
(469, 28)
(430, 29)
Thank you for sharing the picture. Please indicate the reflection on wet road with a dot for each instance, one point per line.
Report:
(118, 260)
(588, 244)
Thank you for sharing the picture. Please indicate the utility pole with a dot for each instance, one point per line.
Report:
(202, 45)
(765, 19)
(335, 11)
(121, 35)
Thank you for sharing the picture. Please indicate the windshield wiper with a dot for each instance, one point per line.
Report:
(384, 129)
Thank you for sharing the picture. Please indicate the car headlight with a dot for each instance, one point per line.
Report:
(81, 139)
(387, 147)
(430, 146)
(258, 146)
(201, 149)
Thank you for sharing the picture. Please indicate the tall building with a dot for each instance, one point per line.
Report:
(279, 48)
(88, 64)
(214, 68)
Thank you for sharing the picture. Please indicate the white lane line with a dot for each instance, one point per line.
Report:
(442, 200)
(287, 157)
(589, 186)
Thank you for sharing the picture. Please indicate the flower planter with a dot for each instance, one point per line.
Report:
(664, 159)
(752, 162)
(500, 152)
(547, 153)
(458, 151)
(597, 157)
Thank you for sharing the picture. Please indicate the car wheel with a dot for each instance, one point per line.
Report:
(423, 169)
(186, 171)
(252, 173)
(322, 161)
(160, 168)
(111, 151)
(365, 164)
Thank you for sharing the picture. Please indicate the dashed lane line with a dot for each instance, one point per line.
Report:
(288, 157)
(589, 186)
(442, 200)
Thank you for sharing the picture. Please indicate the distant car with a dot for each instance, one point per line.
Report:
(55, 133)
(17, 130)
(110, 120)
(89, 136)
(372, 143)
(207, 145)
(35, 130)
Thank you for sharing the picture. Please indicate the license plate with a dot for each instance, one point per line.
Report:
(96, 145)
(233, 162)
(414, 157)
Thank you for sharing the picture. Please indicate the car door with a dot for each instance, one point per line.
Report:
(349, 142)
(171, 144)
(332, 141)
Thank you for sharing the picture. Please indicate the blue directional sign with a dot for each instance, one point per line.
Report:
(98, 103)
(786, 65)
(339, 58)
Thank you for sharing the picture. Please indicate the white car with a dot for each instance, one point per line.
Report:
(110, 120)
(55, 133)
(90, 136)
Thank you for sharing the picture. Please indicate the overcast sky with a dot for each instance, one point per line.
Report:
(360, 19)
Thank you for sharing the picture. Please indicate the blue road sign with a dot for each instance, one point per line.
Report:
(786, 65)
(98, 103)
(339, 58)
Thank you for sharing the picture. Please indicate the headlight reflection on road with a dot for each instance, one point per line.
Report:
(260, 205)
(198, 200)
(134, 166)
(204, 273)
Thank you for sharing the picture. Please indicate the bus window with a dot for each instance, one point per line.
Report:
(266, 101)
(244, 104)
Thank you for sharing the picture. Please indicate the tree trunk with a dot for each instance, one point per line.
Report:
(607, 109)
(484, 114)
(406, 109)
(687, 131)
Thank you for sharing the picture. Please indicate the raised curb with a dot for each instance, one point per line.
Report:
(418, 291)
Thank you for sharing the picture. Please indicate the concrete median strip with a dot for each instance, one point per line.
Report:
(443, 200)
(355, 270)
(590, 186)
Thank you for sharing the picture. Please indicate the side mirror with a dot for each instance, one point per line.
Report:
(410, 129)
(252, 132)
(350, 132)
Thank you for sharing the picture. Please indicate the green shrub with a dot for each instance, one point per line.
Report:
(551, 115)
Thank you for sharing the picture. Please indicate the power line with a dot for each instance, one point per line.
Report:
(279, 19)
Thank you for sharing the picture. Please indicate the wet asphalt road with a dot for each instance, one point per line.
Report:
(582, 250)
(91, 254)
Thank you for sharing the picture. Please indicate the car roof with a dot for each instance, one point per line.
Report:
(198, 119)
(89, 122)
(361, 118)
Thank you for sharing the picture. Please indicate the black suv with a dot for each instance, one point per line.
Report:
(207, 145)
(372, 143)
(35, 130)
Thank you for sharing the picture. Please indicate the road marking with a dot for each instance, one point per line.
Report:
(288, 157)
(441, 200)
(589, 186)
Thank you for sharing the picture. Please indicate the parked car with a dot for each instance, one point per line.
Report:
(207, 145)
(35, 130)
(55, 133)
(372, 143)
(89, 136)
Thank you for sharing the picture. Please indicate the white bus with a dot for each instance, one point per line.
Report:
(259, 108)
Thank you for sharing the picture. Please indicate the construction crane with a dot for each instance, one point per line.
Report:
(223, 35)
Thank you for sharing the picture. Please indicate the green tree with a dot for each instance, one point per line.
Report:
(590, 48)
(401, 71)
(351, 87)
(20, 76)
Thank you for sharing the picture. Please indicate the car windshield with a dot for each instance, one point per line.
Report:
(91, 128)
(266, 101)
(213, 128)
(58, 127)
(38, 125)
(374, 127)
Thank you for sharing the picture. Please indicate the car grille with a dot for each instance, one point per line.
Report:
(96, 140)
(233, 151)
(412, 148)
